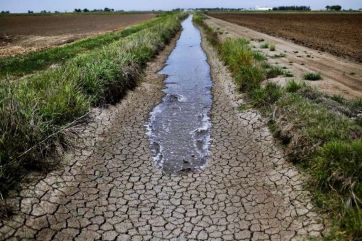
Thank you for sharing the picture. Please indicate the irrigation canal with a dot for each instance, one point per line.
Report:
(179, 127)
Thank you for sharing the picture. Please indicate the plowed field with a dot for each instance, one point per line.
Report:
(339, 34)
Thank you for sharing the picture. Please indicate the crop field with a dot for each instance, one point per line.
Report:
(21, 33)
(339, 34)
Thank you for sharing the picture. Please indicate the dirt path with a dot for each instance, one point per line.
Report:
(340, 76)
(109, 189)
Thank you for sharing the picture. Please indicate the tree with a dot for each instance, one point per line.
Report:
(292, 8)
(85, 10)
(77, 10)
(334, 8)
(30, 12)
(108, 10)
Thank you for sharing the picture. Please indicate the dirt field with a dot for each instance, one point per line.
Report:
(339, 76)
(23, 33)
(339, 34)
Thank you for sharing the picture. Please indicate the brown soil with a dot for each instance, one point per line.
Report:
(339, 76)
(24, 33)
(339, 34)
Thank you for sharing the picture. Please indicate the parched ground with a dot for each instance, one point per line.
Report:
(108, 188)
(24, 33)
(336, 33)
(339, 76)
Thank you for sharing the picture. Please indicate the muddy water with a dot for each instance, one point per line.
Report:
(179, 127)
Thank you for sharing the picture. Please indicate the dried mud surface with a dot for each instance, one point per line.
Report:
(339, 76)
(339, 34)
(24, 33)
(109, 189)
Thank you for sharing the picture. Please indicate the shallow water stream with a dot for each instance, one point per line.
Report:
(179, 127)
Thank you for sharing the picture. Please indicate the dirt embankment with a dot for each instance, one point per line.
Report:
(24, 33)
(339, 34)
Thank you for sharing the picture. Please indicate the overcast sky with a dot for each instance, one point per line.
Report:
(69, 5)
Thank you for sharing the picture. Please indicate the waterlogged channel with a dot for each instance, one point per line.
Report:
(179, 127)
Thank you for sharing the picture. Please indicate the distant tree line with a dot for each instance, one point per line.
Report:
(334, 8)
(292, 8)
(5, 12)
(86, 10)
(220, 9)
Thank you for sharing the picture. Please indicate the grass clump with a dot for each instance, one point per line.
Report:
(274, 71)
(337, 167)
(312, 76)
(264, 46)
(34, 111)
(288, 74)
(281, 55)
(264, 97)
(337, 172)
(241, 60)
(272, 47)
(293, 86)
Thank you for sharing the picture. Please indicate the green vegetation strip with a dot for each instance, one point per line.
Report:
(35, 110)
(27, 63)
(322, 134)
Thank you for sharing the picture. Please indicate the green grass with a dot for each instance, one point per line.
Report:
(337, 172)
(274, 71)
(322, 141)
(264, 96)
(312, 76)
(34, 110)
(27, 63)
(288, 74)
(292, 86)
(243, 62)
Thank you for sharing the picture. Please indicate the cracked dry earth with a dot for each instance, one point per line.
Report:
(108, 188)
